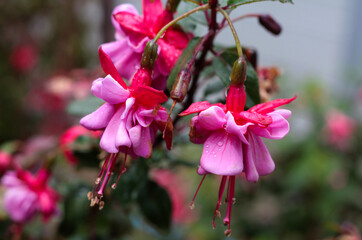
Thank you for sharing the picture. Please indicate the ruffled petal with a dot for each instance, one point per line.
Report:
(276, 130)
(108, 139)
(257, 158)
(144, 116)
(110, 91)
(129, 104)
(197, 134)
(98, 119)
(131, 23)
(233, 128)
(212, 118)
(222, 154)
(141, 141)
(129, 8)
(123, 139)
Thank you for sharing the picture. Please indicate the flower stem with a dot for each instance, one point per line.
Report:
(159, 34)
(232, 28)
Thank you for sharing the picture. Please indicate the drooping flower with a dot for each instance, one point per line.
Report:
(134, 31)
(70, 136)
(232, 138)
(130, 117)
(26, 195)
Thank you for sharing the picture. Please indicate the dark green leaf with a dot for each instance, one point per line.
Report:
(183, 59)
(155, 204)
(242, 2)
(85, 106)
(222, 67)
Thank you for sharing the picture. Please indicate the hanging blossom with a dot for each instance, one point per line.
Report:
(130, 118)
(26, 195)
(134, 31)
(232, 139)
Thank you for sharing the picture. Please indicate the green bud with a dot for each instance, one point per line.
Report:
(149, 55)
(181, 85)
(238, 73)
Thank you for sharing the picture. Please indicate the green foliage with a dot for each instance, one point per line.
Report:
(84, 107)
(182, 60)
(242, 2)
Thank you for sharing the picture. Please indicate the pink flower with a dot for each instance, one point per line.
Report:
(134, 31)
(27, 195)
(70, 136)
(339, 128)
(130, 117)
(232, 139)
(177, 191)
(5, 162)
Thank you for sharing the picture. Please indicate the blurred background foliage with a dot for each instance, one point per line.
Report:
(46, 69)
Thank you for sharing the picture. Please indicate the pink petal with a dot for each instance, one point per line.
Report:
(129, 8)
(201, 171)
(257, 153)
(197, 134)
(276, 130)
(123, 139)
(212, 118)
(222, 154)
(108, 139)
(284, 113)
(21, 203)
(233, 128)
(144, 116)
(141, 141)
(129, 104)
(98, 119)
(169, 54)
(110, 91)
(10, 179)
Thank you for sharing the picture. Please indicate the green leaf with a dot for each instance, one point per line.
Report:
(155, 204)
(182, 60)
(242, 2)
(84, 107)
(223, 66)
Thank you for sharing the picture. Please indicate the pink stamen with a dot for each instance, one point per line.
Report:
(221, 192)
(231, 193)
(108, 174)
(192, 205)
(100, 175)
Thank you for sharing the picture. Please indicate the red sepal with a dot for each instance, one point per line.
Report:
(270, 106)
(259, 119)
(131, 23)
(151, 11)
(148, 97)
(199, 107)
(109, 68)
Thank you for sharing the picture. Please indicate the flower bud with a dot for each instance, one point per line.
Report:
(236, 97)
(251, 56)
(172, 5)
(270, 24)
(149, 55)
(181, 85)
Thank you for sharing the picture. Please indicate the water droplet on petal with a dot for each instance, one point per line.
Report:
(220, 144)
(214, 156)
(207, 145)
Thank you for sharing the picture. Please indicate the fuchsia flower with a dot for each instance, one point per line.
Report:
(70, 136)
(27, 195)
(130, 117)
(134, 31)
(5, 162)
(339, 128)
(232, 139)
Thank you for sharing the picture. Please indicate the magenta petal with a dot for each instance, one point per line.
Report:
(151, 9)
(201, 171)
(129, 8)
(251, 173)
(112, 92)
(257, 152)
(11, 180)
(144, 116)
(96, 88)
(212, 118)
(197, 134)
(21, 203)
(123, 138)
(276, 130)
(129, 104)
(284, 113)
(141, 141)
(222, 154)
(233, 128)
(98, 119)
(108, 139)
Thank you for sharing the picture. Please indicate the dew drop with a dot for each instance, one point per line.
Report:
(214, 156)
(220, 144)
(207, 151)
(207, 145)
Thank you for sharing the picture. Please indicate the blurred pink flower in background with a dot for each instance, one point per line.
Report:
(26, 195)
(70, 136)
(178, 193)
(24, 57)
(5, 162)
(339, 128)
